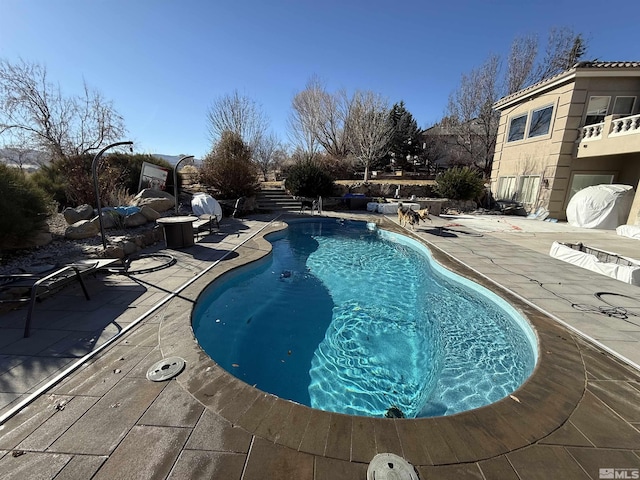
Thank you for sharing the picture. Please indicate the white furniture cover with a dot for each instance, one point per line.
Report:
(205, 204)
(631, 231)
(390, 208)
(624, 273)
(600, 206)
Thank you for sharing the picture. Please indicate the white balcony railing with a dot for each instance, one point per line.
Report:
(625, 126)
(616, 135)
(592, 132)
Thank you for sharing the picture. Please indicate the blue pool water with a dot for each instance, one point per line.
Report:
(348, 318)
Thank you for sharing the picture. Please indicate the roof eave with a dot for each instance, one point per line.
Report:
(549, 84)
(570, 75)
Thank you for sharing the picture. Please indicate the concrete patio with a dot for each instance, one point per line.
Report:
(578, 413)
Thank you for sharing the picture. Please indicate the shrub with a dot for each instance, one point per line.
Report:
(69, 180)
(308, 179)
(131, 167)
(51, 179)
(229, 169)
(460, 183)
(337, 168)
(23, 206)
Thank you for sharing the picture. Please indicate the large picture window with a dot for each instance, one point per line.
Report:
(540, 121)
(584, 180)
(517, 127)
(535, 123)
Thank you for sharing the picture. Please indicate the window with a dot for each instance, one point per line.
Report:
(623, 106)
(516, 128)
(584, 180)
(540, 122)
(506, 188)
(597, 109)
(529, 187)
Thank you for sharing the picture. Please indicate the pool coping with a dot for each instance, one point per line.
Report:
(537, 409)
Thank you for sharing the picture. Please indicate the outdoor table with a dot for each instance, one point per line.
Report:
(178, 231)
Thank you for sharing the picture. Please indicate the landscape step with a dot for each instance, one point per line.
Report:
(276, 199)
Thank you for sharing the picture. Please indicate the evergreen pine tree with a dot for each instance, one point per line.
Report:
(405, 139)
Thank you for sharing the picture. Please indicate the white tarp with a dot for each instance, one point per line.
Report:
(600, 206)
(205, 204)
(631, 231)
(390, 208)
(624, 273)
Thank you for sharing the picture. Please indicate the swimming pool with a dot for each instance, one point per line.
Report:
(349, 318)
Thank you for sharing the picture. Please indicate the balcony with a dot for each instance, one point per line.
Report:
(616, 135)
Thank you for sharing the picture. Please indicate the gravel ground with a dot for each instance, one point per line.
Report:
(60, 251)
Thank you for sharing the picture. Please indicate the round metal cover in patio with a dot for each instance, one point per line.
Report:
(165, 369)
(387, 466)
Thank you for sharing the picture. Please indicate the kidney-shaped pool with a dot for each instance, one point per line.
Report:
(349, 318)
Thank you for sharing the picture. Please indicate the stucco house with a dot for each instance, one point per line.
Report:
(576, 129)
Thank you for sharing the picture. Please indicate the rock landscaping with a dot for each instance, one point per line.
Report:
(75, 234)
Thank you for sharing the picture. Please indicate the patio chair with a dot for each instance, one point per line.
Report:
(205, 222)
(208, 211)
(29, 287)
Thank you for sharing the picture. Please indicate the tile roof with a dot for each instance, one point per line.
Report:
(577, 66)
(597, 64)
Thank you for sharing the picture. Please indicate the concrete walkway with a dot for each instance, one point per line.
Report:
(578, 414)
(513, 252)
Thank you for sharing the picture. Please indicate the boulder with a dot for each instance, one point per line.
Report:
(129, 247)
(82, 229)
(114, 251)
(158, 200)
(74, 215)
(150, 214)
(110, 219)
(135, 220)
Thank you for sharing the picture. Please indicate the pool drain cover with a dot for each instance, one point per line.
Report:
(387, 466)
(165, 369)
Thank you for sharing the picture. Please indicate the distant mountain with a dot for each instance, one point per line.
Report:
(173, 159)
(28, 159)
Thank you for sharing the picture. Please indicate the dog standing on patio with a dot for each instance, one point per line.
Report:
(308, 203)
(423, 213)
(407, 216)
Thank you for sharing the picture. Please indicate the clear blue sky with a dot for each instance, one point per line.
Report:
(164, 62)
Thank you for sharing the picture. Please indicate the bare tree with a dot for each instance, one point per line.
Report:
(35, 110)
(473, 120)
(470, 114)
(522, 59)
(238, 114)
(370, 131)
(302, 123)
(564, 48)
(267, 153)
(323, 117)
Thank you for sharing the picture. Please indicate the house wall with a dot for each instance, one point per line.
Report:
(553, 156)
(547, 156)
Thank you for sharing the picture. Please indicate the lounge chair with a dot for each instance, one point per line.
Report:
(27, 287)
(208, 211)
